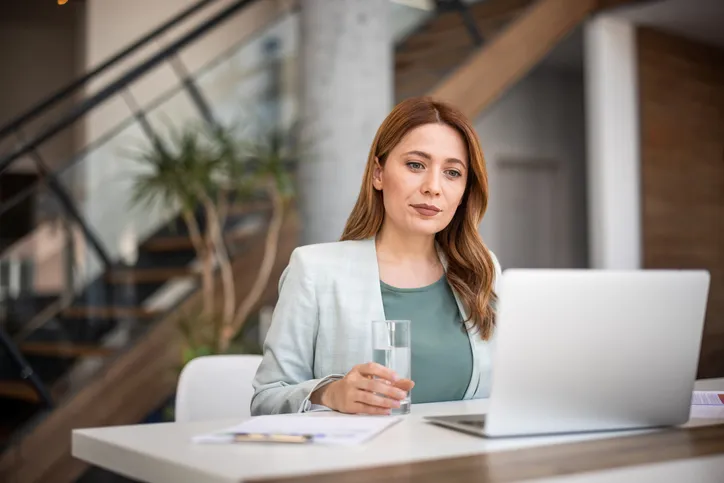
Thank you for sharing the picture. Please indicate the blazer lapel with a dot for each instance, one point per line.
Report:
(473, 336)
(369, 275)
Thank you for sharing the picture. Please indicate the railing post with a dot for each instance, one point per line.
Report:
(196, 97)
(274, 90)
(140, 116)
(67, 202)
(468, 19)
(26, 372)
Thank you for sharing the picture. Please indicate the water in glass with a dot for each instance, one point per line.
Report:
(391, 348)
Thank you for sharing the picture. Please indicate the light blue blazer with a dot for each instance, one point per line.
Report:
(328, 296)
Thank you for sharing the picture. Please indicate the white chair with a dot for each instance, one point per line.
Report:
(216, 387)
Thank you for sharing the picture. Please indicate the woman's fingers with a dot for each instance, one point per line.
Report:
(380, 387)
(372, 369)
(405, 385)
(372, 399)
(362, 408)
(372, 388)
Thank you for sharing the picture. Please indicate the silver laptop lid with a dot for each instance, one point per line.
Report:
(583, 350)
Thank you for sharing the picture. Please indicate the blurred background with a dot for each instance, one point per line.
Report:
(160, 160)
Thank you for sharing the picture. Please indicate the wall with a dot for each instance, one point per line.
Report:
(682, 146)
(39, 54)
(540, 120)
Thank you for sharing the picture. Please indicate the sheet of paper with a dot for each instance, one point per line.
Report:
(335, 430)
(707, 412)
(708, 398)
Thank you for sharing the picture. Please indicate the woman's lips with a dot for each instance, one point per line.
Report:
(426, 210)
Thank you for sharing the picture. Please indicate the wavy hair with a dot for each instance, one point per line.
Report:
(470, 267)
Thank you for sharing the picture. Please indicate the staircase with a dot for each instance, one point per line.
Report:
(437, 48)
(103, 349)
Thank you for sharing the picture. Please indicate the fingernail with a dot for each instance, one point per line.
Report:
(401, 394)
(397, 404)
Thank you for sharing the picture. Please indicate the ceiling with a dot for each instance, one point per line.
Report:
(701, 20)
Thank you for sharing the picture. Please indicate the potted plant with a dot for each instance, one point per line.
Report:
(210, 170)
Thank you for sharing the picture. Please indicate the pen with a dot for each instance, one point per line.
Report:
(256, 438)
(272, 438)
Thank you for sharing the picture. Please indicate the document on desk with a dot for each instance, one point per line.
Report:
(707, 398)
(332, 430)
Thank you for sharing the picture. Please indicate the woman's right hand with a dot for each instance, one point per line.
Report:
(363, 389)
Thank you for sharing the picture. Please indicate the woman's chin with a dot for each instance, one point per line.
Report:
(425, 227)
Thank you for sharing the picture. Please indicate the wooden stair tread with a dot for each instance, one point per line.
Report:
(18, 390)
(108, 312)
(148, 275)
(183, 242)
(168, 244)
(456, 31)
(437, 67)
(488, 9)
(64, 349)
(489, 16)
(249, 207)
(431, 54)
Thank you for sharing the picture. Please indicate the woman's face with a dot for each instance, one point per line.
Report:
(423, 179)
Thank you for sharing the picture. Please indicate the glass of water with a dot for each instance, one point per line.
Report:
(391, 348)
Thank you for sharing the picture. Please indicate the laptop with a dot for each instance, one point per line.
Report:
(591, 350)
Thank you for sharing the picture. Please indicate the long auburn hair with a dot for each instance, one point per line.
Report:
(470, 268)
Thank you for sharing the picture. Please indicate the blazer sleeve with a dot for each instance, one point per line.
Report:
(285, 378)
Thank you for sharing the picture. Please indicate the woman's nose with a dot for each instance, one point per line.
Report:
(431, 185)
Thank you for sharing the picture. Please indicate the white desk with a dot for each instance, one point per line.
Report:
(161, 453)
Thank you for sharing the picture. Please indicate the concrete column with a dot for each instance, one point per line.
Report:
(612, 123)
(347, 90)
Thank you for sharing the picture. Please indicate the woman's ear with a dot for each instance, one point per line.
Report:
(377, 175)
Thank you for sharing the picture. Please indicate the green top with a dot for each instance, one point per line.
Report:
(442, 359)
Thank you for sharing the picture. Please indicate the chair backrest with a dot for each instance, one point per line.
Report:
(216, 387)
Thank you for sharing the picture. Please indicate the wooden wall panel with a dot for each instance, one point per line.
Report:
(682, 153)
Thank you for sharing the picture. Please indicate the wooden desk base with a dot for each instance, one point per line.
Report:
(541, 462)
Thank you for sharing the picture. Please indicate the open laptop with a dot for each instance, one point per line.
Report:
(591, 350)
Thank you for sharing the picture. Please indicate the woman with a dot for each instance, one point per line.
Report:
(410, 250)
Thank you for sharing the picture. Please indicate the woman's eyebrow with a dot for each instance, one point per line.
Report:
(421, 154)
(427, 156)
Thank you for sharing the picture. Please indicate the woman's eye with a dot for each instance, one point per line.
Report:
(454, 174)
(415, 165)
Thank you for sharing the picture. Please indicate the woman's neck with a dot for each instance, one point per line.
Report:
(396, 246)
(406, 261)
